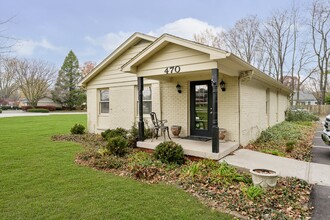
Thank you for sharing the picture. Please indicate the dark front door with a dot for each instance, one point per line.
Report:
(200, 108)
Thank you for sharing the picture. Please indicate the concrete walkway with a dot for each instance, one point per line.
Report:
(313, 173)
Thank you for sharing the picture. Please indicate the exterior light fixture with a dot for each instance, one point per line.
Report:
(223, 85)
(178, 88)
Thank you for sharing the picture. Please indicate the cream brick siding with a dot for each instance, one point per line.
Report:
(228, 107)
(244, 109)
(254, 119)
(122, 96)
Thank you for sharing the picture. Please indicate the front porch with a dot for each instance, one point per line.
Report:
(202, 149)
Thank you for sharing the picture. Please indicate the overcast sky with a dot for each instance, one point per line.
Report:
(49, 29)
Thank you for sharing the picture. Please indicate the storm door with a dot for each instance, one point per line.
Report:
(200, 108)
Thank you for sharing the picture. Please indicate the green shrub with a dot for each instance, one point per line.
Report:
(133, 134)
(0, 110)
(118, 146)
(41, 110)
(252, 192)
(169, 152)
(290, 146)
(300, 115)
(78, 129)
(111, 133)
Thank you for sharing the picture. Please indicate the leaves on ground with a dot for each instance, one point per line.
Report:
(218, 185)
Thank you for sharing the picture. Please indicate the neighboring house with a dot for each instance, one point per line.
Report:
(42, 102)
(304, 99)
(250, 102)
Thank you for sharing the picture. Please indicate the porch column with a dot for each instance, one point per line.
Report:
(140, 97)
(215, 127)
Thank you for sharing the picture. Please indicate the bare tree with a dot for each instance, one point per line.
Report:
(243, 39)
(6, 42)
(210, 38)
(8, 85)
(33, 78)
(320, 27)
(277, 36)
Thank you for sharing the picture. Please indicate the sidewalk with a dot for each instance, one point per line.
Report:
(313, 173)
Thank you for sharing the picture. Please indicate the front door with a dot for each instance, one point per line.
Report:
(200, 108)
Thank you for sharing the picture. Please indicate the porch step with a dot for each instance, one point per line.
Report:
(201, 149)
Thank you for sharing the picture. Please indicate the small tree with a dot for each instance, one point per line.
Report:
(66, 90)
(33, 78)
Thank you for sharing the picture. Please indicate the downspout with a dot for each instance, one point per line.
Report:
(239, 110)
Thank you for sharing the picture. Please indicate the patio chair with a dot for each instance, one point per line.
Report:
(159, 125)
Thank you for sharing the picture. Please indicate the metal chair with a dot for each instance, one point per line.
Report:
(159, 125)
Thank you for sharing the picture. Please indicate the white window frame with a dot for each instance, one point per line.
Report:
(103, 101)
(144, 100)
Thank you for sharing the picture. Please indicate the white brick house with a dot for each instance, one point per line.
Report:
(251, 102)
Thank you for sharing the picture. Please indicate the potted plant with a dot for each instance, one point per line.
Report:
(264, 177)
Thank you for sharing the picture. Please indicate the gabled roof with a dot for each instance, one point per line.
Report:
(162, 41)
(132, 40)
(304, 96)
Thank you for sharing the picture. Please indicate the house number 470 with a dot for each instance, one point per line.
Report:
(172, 69)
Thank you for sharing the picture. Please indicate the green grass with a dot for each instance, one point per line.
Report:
(39, 180)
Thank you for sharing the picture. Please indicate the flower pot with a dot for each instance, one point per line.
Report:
(176, 129)
(222, 134)
(264, 177)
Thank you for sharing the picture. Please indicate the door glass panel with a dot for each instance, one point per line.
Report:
(201, 107)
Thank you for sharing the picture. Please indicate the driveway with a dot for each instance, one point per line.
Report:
(320, 196)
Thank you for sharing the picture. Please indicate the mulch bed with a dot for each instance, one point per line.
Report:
(288, 200)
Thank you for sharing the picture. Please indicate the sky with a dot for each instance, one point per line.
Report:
(49, 29)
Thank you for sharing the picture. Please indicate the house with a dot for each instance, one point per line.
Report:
(197, 87)
(304, 99)
(46, 101)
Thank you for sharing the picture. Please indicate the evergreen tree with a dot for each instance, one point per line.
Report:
(66, 89)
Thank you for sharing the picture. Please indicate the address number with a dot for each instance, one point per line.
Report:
(172, 69)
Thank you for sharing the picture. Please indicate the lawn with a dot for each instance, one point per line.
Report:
(40, 180)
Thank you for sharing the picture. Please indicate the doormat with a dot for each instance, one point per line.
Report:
(197, 138)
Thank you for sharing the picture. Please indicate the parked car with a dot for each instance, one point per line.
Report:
(326, 131)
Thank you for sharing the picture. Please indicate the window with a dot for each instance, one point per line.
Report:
(147, 100)
(104, 101)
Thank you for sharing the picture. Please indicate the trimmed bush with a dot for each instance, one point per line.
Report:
(118, 132)
(78, 129)
(48, 107)
(40, 110)
(169, 152)
(133, 134)
(300, 115)
(118, 146)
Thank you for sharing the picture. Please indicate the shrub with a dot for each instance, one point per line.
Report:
(300, 115)
(118, 146)
(0, 110)
(252, 192)
(78, 129)
(48, 107)
(290, 146)
(41, 110)
(133, 133)
(169, 152)
(118, 132)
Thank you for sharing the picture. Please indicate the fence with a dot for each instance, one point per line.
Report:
(321, 110)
